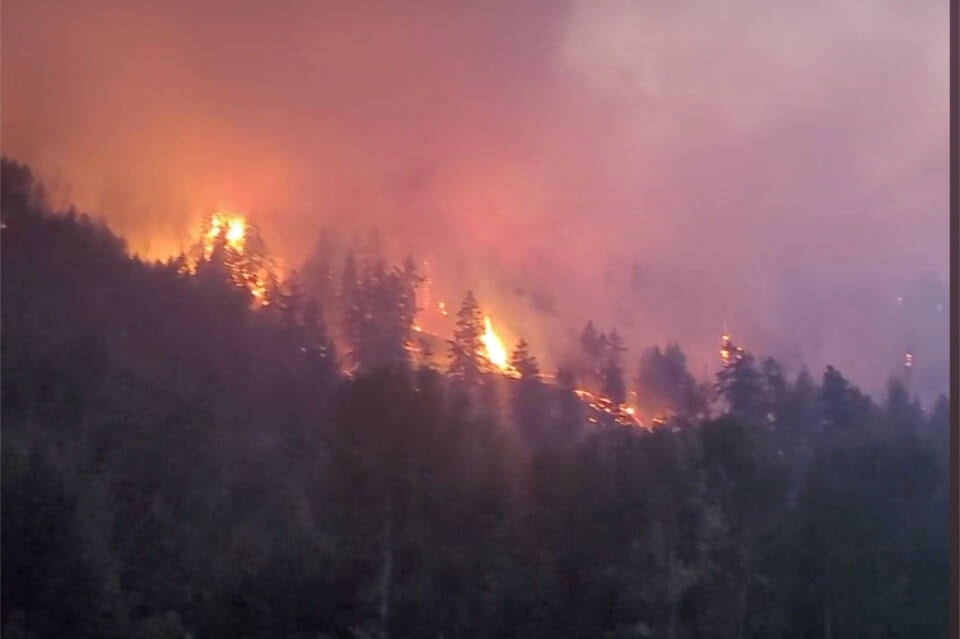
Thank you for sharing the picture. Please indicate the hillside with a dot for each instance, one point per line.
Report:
(182, 457)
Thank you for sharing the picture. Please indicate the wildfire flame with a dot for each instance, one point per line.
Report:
(728, 351)
(493, 347)
(231, 228)
(231, 231)
(623, 415)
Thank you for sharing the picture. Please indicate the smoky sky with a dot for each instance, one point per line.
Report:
(779, 169)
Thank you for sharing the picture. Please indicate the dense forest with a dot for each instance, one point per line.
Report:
(185, 455)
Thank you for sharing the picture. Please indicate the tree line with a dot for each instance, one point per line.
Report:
(178, 461)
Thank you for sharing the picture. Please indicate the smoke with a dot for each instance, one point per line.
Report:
(671, 168)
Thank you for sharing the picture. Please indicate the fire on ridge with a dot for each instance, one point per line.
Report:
(249, 267)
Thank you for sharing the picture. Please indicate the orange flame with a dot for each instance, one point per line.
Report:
(232, 231)
(230, 227)
(493, 347)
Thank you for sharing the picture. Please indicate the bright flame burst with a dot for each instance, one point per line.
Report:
(232, 231)
(493, 347)
(728, 351)
(232, 228)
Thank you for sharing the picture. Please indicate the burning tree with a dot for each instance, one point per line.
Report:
(230, 244)
(740, 384)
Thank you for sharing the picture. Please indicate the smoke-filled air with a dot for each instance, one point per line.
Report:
(474, 319)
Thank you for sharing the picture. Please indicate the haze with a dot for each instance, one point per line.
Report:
(776, 168)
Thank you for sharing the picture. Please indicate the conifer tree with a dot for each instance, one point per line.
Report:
(466, 359)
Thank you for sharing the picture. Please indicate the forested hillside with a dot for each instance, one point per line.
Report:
(182, 459)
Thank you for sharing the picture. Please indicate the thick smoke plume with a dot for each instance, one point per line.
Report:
(778, 169)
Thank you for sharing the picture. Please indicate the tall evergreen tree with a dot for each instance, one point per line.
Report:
(528, 397)
(612, 382)
(740, 384)
(665, 386)
(467, 362)
(614, 386)
(381, 316)
(591, 342)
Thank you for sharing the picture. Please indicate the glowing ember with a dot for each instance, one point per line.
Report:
(493, 346)
(623, 415)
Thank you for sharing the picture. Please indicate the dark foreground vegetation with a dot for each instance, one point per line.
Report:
(177, 463)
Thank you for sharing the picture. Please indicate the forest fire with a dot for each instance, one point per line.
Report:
(493, 347)
(622, 415)
(226, 227)
(231, 240)
(728, 350)
(242, 253)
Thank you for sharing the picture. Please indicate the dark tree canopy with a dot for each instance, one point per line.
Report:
(181, 462)
(467, 362)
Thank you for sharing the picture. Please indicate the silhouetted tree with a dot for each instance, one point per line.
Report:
(741, 386)
(612, 382)
(528, 400)
(381, 316)
(591, 342)
(466, 360)
(665, 386)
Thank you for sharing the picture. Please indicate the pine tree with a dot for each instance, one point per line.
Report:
(614, 346)
(381, 316)
(466, 360)
(614, 387)
(841, 404)
(741, 385)
(592, 346)
(525, 363)
(612, 382)
(774, 387)
(591, 342)
(665, 386)
(528, 397)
